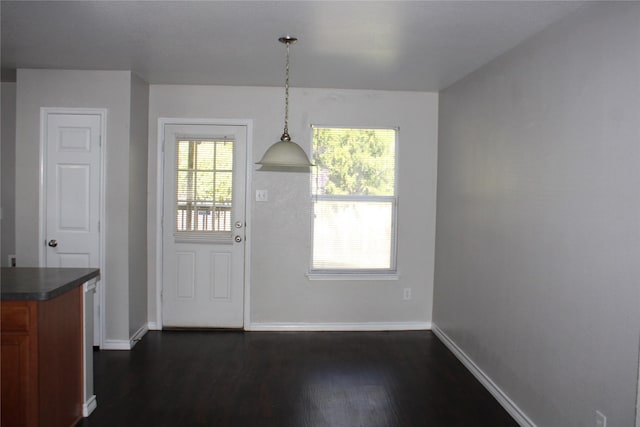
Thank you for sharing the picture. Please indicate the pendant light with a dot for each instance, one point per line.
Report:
(285, 155)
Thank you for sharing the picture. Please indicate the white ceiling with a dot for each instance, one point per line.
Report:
(387, 45)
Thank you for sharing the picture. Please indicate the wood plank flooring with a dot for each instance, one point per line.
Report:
(289, 379)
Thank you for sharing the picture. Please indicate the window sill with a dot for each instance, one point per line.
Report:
(353, 276)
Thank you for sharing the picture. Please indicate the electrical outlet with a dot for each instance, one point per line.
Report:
(406, 294)
(12, 260)
(262, 196)
(601, 419)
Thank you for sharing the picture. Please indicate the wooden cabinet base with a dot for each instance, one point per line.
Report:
(42, 361)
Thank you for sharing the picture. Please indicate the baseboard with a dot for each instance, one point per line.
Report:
(116, 345)
(89, 406)
(126, 344)
(365, 326)
(137, 336)
(153, 326)
(502, 398)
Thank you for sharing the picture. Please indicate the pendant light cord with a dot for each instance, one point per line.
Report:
(285, 135)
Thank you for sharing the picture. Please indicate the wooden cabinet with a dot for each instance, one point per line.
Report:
(42, 360)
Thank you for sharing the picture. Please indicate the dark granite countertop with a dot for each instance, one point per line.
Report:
(41, 284)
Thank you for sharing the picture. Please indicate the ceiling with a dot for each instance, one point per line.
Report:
(384, 45)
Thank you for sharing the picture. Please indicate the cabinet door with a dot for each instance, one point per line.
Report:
(15, 388)
(19, 364)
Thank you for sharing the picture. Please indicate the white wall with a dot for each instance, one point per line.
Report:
(8, 138)
(80, 89)
(280, 292)
(538, 218)
(138, 204)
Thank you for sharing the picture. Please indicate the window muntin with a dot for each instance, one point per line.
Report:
(204, 183)
(355, 202)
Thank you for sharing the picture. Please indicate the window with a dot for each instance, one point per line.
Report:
(355, 200)
(204, 185)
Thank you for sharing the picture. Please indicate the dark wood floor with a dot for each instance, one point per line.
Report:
(200, 378)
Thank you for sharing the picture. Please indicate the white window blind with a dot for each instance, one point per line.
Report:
(354, 192)
(204, 171)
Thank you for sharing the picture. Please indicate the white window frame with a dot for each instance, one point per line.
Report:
(359, 274)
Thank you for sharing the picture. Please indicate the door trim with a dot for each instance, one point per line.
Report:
(167, 121)
(102, 112)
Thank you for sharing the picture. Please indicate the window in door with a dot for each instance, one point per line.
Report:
(204, 185)
(355, 200)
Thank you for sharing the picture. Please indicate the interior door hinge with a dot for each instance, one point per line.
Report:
(98, 226)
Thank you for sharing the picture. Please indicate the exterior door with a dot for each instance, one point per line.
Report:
(72, 196)
(203, 225)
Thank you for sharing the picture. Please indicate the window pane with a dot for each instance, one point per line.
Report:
(354, 161)
(204, 185)
(224, 155)
(352, 235)
(185, 190)
(204, 155)
(223, 187)
(183, 155)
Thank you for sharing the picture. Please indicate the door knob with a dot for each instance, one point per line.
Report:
(53, 243)
(238, 239)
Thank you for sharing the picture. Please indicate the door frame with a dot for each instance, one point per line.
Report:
(102, 112)
(167, 121)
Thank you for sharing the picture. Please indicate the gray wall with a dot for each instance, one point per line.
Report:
(138, 204)
(538, 218)
(8, 169)
(281, 236)
(83, 89)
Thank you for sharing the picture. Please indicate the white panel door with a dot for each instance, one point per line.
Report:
(72, 190)
(203, 225)
(72, 162)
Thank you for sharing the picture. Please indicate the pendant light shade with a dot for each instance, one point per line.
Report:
(285, 155)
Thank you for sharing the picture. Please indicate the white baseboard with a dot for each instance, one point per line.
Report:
(89, 406)
(137, 336)
(116, 345)
(366, 326)
(502, 398)
(153, 326)
(126, 344)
